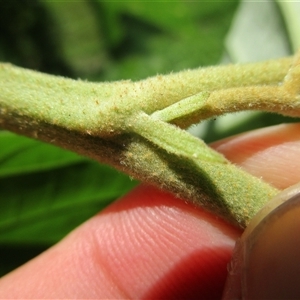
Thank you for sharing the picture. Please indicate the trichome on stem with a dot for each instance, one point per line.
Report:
(138, 127)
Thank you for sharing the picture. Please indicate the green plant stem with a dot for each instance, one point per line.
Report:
(124, 124)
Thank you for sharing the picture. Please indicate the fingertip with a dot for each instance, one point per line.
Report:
(168, 243)
(148, 244)
(274, 263)
(266, 260)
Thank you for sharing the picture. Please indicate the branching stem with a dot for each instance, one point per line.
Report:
(126, 124)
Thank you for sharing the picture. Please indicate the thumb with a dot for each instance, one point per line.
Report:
(266, 260)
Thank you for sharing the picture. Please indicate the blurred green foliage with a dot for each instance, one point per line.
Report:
(105, 40)
(45, 192)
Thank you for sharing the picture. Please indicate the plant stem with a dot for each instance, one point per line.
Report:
(124, 124)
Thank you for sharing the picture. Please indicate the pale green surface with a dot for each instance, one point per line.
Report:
(291, 12)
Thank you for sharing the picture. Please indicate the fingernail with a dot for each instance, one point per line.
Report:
(266, 260)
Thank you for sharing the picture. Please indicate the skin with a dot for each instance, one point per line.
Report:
(149, 245)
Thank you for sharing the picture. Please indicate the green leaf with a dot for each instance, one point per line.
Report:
(21, 155)
(158, 37)
(82, 47)
(41, 208)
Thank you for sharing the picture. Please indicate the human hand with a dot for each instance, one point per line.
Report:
(266, 260)
(150, 245)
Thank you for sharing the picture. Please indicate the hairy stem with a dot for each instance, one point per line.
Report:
(125, 124)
